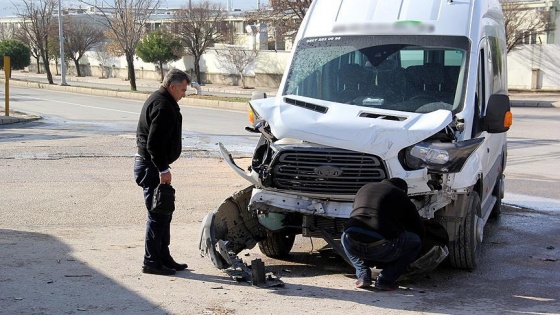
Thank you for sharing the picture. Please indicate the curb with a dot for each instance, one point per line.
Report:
(528, 103)
(16, 117)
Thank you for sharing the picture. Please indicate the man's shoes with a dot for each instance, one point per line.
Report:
(164, 271)
(175, 265)
(382, 285)
(364, 282)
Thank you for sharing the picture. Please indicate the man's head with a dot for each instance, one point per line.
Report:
(399, 183)
(175, 82)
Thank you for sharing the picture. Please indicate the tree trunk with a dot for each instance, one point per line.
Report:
(78, 72)
(131, 74)
(47, 67)
(242, 80)
(197, 69)
(161, 70)
(38, 65)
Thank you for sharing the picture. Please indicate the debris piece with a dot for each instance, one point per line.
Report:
(550, 247)
(241, 272)
(216, 288)
(258, 276)
(77, 276)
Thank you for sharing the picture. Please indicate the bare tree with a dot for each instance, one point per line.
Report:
(237, 59)
(6, 32)
(524, 23)
(21, 35)
(79, 37)
(283, 17)
(38, 23)
(53, 49)
(199, 28)
(104, 56)
(126, 22)
(295, 8)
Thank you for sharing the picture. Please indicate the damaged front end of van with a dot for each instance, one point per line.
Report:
(311, 159)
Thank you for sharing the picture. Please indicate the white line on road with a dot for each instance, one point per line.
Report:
(81, 105)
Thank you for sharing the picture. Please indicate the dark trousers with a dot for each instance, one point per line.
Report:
(158, 225)
(395, 254)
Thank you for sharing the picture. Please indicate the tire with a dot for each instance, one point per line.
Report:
(277, 245)
(464, 251)
(497, 209)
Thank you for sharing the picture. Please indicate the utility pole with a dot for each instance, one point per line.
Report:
(61, 42)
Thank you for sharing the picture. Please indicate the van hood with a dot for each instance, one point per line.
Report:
(357, 128)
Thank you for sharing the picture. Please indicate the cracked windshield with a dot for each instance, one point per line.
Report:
(409, 75)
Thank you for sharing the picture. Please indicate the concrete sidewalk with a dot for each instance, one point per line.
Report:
(117, 87)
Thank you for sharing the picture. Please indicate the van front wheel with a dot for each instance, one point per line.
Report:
(277, 245)
(464, 251)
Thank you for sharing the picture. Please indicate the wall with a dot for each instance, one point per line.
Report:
(534, 67)
(266, 71)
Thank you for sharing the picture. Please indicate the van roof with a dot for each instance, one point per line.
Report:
(377, 17)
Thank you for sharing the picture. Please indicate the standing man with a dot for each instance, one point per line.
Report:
(158, 138)
(384, 227)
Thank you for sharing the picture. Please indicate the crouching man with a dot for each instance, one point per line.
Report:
(384, 228)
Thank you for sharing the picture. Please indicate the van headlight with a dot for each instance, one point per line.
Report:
(440, 157)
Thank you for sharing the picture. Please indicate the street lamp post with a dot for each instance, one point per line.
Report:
(61, 43)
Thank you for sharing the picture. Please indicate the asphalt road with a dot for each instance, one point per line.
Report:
(202, 127)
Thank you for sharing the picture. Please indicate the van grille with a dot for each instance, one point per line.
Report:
(325, 171)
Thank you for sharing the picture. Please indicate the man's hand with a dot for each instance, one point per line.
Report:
(165, 178)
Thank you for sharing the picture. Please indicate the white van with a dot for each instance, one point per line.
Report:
(376, 89)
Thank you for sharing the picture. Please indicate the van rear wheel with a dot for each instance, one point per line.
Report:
(497, 192)
(464, 251)
(277, 245)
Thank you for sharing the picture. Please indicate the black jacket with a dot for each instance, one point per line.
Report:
(386, 209)
(158, 135)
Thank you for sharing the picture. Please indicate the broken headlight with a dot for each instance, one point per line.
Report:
(259, 125)
(440, 157)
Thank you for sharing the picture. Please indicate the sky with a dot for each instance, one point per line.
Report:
(7, 6)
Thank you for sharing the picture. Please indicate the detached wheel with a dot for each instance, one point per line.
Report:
(464, 251)
(277, 245)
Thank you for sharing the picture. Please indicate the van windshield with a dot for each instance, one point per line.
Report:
(406, 73)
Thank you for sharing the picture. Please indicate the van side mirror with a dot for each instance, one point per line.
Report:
(498, 117)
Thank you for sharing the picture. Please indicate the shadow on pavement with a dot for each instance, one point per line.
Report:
(39, 275)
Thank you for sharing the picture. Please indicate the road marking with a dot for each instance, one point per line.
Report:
(81, 105)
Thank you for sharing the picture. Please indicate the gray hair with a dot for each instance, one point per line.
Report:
(175, 76)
